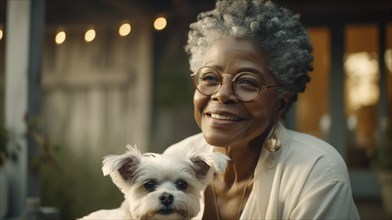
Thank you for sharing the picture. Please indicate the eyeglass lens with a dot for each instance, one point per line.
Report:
(246, 86)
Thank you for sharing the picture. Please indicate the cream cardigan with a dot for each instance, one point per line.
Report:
(306, 179)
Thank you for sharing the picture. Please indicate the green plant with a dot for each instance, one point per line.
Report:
(37, 137)
(40, 140)
(5, 152)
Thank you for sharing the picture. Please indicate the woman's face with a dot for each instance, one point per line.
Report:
(223, 118)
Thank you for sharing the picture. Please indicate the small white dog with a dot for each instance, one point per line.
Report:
(160, 186)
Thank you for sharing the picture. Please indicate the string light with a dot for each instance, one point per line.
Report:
(60, 37)
(89, 35)
(124, 29)
(160, 23)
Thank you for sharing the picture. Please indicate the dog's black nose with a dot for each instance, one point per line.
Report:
(166, 199)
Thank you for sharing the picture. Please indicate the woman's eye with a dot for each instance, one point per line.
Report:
(247, 82)
(150, 185)
(181, 185)
(210, 77)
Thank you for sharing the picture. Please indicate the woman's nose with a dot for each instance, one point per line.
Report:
(225, 93)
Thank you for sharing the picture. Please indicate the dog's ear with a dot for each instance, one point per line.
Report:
(206, 164)
(122, 168)
(200, 166)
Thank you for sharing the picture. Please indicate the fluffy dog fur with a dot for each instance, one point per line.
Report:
(160, 186)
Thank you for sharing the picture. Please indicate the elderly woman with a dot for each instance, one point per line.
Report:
(250, 59)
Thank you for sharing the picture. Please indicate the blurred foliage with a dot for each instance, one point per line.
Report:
(79, 187)
(40, 140)
(71, 182)
(5, 152)
(382, 156)
(175, 88)
(36, 135)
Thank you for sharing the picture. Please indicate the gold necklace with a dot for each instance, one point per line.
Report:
(242, 199)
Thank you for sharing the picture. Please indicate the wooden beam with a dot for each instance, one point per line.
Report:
(24, 42)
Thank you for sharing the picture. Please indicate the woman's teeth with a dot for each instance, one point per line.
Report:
(225, 117)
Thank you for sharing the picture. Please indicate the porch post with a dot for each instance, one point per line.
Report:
(383, 103)
(24, 40)
(337, 130)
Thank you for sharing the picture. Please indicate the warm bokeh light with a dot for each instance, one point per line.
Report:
(1, 34)
(362, 79)
(90, 35)
(388, 59)
(60, 37)
(124, 29)
(160, 23)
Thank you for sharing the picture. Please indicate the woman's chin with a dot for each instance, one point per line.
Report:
(217, 139)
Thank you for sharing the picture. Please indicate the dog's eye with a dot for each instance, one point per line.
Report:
(181, 185)
(150, 185)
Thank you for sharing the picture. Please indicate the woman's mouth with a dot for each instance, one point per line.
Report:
(226, 117)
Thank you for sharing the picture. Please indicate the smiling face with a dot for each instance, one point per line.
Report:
(223, 118)
(164, 187)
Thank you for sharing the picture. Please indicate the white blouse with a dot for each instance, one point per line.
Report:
(306, 179)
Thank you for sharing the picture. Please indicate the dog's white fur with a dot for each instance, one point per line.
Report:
(146, 180)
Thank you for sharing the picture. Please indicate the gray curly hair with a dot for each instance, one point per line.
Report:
(275, 30)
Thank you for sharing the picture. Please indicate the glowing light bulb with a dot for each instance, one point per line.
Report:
(1, 34)
(160, 23)
(60, 37)
(89, 35)
(124, 29)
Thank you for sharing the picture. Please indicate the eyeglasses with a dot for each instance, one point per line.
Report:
(246, 86)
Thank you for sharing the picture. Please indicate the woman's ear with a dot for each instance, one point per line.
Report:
(283, 106)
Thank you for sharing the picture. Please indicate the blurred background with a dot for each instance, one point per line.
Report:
(80, 79)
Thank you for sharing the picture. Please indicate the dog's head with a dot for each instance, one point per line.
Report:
(163, 185)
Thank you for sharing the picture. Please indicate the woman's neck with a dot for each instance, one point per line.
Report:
(242, 162)
(243, 159)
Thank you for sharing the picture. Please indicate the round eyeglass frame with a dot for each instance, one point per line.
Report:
(261, 87)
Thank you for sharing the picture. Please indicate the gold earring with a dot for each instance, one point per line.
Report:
(272, 142)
